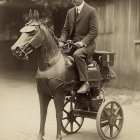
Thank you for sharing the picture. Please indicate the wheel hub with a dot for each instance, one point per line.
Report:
(112, 120)
(71, 117)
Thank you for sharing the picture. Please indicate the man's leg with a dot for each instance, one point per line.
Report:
(80, 57)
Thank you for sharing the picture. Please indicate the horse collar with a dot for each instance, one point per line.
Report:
(49, 65)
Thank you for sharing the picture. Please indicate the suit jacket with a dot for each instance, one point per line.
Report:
(86, 26)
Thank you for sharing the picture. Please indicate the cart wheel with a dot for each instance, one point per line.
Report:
(109, 120)
(71, 122)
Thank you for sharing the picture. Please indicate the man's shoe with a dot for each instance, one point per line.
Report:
(84, 88)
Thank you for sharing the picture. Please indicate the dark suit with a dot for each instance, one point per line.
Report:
(84, 29)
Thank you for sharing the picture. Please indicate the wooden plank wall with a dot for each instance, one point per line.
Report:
(119, 27)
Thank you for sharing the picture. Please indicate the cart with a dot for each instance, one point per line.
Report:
(108, 113)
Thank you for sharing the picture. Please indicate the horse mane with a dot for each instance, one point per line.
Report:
(50, 31)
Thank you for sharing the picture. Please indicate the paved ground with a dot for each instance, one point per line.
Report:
(19, 114)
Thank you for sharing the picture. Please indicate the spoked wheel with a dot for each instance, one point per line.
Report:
(71, 122)
(109, 120)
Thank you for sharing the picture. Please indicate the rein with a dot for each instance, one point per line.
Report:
(49, 65)
(67, 47)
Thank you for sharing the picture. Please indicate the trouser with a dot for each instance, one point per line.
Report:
(80, 57)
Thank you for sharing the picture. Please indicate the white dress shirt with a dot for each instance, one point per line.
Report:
(79, 8)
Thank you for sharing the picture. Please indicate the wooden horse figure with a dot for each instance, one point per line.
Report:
(52, 74)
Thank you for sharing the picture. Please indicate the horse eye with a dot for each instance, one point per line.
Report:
(32, 33)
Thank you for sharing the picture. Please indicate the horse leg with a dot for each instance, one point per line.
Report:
(44, 101)
(59, 98)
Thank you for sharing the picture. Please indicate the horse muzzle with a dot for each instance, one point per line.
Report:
(18, 52)
(22, 53)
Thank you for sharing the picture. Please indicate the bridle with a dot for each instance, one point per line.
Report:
(22, 51)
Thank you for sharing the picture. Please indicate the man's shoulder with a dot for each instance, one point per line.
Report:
(71, 10)
(89, 7)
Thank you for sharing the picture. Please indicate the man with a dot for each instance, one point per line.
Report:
(81, 27)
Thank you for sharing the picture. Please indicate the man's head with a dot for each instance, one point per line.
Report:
(77, 2)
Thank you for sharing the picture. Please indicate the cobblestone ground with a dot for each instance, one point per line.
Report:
(19, 114)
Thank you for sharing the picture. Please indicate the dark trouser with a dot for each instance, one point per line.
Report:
(80, 56)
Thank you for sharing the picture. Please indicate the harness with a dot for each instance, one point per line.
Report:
(49, 65)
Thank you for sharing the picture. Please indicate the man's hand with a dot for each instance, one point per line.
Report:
(61, 44)
(79, 44)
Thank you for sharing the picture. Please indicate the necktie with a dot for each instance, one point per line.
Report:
(77, 12)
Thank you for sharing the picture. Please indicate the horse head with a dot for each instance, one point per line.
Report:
(33, 36)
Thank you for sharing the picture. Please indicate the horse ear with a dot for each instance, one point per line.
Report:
(36, 15)
(30, 15)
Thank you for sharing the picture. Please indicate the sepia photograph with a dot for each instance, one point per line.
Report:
(69, 69)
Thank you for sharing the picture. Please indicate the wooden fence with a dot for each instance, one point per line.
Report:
(119, 30)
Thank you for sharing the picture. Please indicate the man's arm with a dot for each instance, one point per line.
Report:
(65, 30)
(93, 29)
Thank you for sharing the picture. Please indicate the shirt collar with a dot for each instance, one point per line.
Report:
(80, 7)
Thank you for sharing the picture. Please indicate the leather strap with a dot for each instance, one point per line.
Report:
(49, 65)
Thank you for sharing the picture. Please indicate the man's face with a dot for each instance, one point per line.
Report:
(77, 2)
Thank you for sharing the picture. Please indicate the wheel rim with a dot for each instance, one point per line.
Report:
(111, 120)
(71, 122)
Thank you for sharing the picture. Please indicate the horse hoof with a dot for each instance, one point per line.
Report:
(40, 137)
(58, 138)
